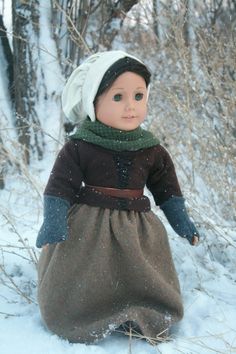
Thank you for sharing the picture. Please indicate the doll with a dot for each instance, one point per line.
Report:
(106, 262)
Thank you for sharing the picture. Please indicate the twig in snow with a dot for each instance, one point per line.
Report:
(130, 339)
(10, 314)
(154, 341)
(30, 250)
(14, 286)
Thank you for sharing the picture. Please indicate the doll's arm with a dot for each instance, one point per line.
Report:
(66, 175)
(176, 213)
(60, 194)
(54, 228)
(164, 186)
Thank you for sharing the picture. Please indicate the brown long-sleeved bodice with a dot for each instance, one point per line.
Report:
(80, 162)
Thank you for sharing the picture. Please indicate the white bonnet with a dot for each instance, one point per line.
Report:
(81, 88)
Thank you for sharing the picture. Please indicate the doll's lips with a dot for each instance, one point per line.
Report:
(129, 117)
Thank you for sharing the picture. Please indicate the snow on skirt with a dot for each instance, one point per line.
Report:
(115, 267)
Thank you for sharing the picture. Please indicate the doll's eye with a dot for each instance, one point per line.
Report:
(138, 96)
(117, 97)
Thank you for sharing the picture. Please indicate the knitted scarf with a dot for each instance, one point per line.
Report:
(114, 139)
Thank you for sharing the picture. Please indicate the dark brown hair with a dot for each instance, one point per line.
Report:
(118, 68)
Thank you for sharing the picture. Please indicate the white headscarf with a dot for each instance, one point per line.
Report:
(81, 88)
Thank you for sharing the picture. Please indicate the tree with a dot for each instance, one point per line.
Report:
(25, 63)
(161, 20)
(7, 53)
(83, 27)
(8, 56)
(79, 28)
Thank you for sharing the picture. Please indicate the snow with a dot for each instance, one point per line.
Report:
(206, 272)
(5, 10)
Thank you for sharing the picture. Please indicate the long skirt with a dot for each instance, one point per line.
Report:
(115, 268)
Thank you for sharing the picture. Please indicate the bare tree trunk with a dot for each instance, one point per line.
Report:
(70, 19)
(110, 16)
(85, 26)
(161, 20)
(26, 54)
(8, 56)
(2, 165)
(191, 39)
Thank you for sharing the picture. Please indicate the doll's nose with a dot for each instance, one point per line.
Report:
(130, 104)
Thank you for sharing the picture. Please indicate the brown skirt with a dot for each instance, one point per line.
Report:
(116, 267)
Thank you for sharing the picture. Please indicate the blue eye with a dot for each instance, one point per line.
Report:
(139, 96)
(117, 97)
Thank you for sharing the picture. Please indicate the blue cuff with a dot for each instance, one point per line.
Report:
(54, 228)
(176, 213)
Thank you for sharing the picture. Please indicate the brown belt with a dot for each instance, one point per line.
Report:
(118, 193)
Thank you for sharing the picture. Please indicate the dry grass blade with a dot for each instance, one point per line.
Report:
(200, 342)
(30, 250)
(132, 333)
(17, 254)
(13, 286)
(130, 339)
(6, 315)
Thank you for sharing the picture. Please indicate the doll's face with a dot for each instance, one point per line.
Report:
(124, 105)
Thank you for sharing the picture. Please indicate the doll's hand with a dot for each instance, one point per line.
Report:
(176, 213)
(195, 240)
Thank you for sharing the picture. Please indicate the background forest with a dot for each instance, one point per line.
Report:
(190, 48)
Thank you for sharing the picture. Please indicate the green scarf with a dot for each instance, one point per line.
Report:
(114, 139)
